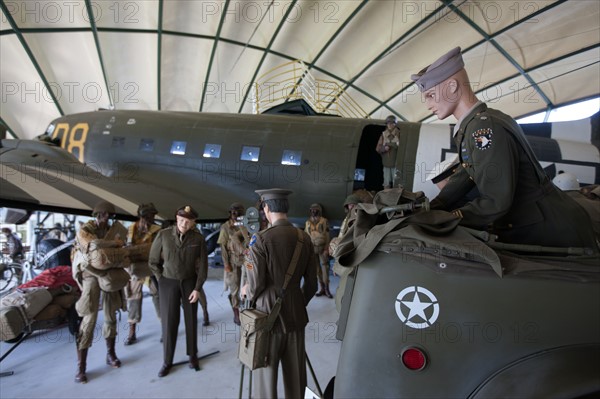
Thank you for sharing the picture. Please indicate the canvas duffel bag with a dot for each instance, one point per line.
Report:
(104, 255)
(32, 300)
(12, 322)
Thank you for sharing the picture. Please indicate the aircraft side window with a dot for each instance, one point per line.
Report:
(178, 147)
(291, 157)
(212, 151)
(359, 174)
(250, 153)
(118, 142)
(147, 145)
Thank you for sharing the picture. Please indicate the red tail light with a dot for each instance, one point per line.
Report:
(414, 359)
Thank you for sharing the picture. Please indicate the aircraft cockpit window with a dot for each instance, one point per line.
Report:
(178, 148)
(291, 157)
(147, 145)
(250, 153)
(118, 142)
(212, 151)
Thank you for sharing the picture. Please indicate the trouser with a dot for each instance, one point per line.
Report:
(87, 307)
(323, 268)
(232, 280)
(173, 295)
(287, 348)
(133, 290)
(388, 176)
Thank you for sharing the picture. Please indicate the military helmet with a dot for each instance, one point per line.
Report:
(391, 119)
(566, 181)
(351, 199)
(104, 206)
(236, 205)
(316, 206)
(147, 209)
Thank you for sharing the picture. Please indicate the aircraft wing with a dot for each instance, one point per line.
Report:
(38, 175)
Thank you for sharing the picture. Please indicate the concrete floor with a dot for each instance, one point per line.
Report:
(44, 365)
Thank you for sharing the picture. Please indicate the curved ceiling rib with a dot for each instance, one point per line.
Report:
(489, 38)
(329, 42)
(217, 37)
(550, 47)
(93, 27)
(159, 53)
(502, 51)
(27, 50)
(266, 52)
(388, 49)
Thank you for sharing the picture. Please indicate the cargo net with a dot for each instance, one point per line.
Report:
(294, 81)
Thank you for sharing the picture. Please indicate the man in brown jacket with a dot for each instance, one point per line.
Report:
(179, 260)
(270, 256)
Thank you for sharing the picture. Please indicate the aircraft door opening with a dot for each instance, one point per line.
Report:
(368, 174)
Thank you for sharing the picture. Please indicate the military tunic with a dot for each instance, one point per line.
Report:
(390, 138)
(318, 230)
(270, 254)
(517, 201)
(140, 273)
(233, 241)
(180, 263)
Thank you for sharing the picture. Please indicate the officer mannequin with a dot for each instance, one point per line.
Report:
(270, 255)
(516, 199)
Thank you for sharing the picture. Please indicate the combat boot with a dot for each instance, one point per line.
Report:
(236, 316)
(206, 321)
(111, 357)
(131, 338)
(81, 366)
(327, 292)
(321, 291)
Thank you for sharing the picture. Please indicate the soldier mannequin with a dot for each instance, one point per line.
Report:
(179, 260)
(89, 303)
(270, 255)
(517, 201)
(317, 227)
(141, 233)
(387, 147)
(233, 241)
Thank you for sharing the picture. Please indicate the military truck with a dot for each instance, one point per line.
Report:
(452, 314)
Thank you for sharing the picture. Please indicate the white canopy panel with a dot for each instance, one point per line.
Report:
(65, 57)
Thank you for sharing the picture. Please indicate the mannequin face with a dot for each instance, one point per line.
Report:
(184, 224)
(442, 99)
(102, 218)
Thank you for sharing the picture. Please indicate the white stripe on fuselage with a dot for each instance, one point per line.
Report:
(433, 139)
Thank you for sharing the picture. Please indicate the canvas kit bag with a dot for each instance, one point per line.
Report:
(255, 325)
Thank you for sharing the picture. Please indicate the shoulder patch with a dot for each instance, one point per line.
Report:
(483, 138)
(252, 240)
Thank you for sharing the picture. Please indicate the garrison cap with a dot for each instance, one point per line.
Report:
(187, 212)
(444, 67)
(236, 205)
(391, 119)
(273, 193)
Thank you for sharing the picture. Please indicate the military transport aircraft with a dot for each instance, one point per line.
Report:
(210, 160)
